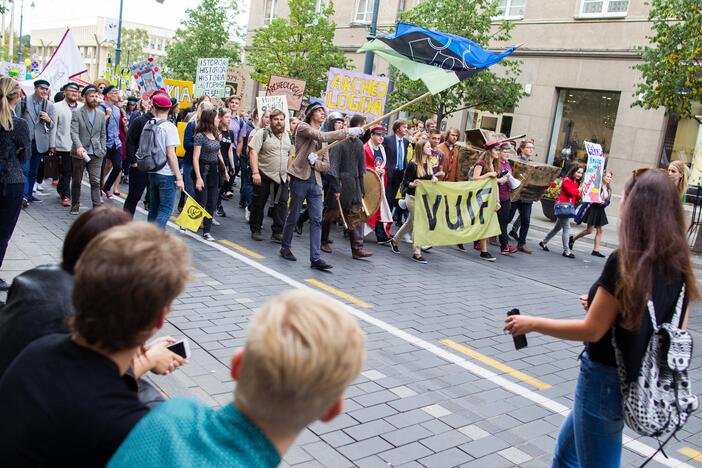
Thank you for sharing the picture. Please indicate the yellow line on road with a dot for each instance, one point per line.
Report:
(497, 365)
(341, 294)
(692, 453)
(242, 249)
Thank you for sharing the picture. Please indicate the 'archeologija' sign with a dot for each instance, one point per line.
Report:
(355, 93)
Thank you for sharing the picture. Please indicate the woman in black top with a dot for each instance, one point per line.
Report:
(652, 261)
(418, 169)
(226, 149)
(14, 151)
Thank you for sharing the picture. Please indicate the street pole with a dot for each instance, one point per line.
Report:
(11, 42)
(19, 39)
(368, 66)
(118, 49)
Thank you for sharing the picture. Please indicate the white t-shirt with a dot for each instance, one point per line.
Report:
(170, 131)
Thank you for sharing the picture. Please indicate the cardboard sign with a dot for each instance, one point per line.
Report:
(211, 76)
(236, 82)
(181, 90)
(355, 93)
(180, 149)
(592, 179)
(147, 75)
(267, 103)
(291, 88)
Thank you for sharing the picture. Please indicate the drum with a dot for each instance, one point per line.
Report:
(373, 191)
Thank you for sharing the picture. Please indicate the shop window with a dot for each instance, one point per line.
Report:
(511, 9)
(582, 115)
(683, 142)
(599, 8)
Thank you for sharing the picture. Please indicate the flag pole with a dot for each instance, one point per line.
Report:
(378, 120)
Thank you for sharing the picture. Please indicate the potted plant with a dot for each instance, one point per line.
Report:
(549, 199)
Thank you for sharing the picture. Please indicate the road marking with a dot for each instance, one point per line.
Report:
(497, 365)
(338, 293)
(539, 399)
(242, 249)
(692, 453)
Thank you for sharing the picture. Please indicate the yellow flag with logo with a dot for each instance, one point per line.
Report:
(192, 215)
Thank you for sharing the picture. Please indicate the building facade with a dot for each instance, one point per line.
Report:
(577, 71)
(96, 37)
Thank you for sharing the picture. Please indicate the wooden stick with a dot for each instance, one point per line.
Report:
(378, 120)
(365, 208)
(341, 211)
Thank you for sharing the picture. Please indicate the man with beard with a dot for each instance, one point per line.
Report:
(348, 166)
(268, 156)
(60, 140)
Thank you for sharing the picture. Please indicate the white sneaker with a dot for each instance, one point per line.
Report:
(38, 188)
(407, 239)
(182, 229)
(215, 222)
(247, 214)
(207, 236)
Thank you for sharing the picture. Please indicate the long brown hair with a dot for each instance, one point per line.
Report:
(646, 247)
(206, 123)
(421, 159)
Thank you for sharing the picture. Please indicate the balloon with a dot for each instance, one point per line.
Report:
(28, 62)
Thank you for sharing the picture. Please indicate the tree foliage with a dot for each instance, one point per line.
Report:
(208, 31)
(134, 41)
(671, 72)
(487, 90)
(300, 46)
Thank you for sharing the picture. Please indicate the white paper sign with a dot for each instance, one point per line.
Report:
(268, 103)
(211, 76)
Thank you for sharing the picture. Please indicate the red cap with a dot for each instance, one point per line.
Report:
(161, 101)
(491, 144)
(378, 129)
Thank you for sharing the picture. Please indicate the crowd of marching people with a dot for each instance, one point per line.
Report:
(77, 338)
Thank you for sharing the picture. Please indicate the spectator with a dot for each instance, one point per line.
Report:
(639, 270)
(63, 399)
(679, 174)
(301, 353)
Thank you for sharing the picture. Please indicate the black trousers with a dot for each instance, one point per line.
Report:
(10, 207)
(503, 216)
(207, 197)
(138, 182)
(114, 155)
(260, 197)
(64, 186)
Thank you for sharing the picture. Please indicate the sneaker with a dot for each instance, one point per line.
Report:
(571, 241)
(506, 250)
(569, 255)
(511, 249)
(107, 193)
(543, 246)
(476, 245)
(33, 199)
(247, 214)
(215, 222)
(487, 257)
(419, 259)
(183, 230)
(461, 247)
(325, 247)
(321, 265)
(220, 212)
(256, 235)
(66, 201)
(25, 203)
(208, 237)
(407, 239)
(383, 240)
(426, 249)
(524, 249)
(394, 247)
(277, 237)
(287, 254)
(229, 195)
(75, 209)
(597, 253)
(38, 187)
(54, 182)
(513, 235)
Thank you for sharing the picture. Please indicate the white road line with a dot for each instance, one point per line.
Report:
(552, 405)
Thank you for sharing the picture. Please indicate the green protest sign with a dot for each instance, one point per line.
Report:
(450, 213)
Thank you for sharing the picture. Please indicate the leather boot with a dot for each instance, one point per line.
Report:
(356, 237)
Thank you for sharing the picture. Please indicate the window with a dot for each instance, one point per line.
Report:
(599, 8)
(511, 9)
(269, 7)
(363, 12)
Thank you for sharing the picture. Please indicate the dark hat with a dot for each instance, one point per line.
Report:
(70, 85)
(313, 107)
(42, 84)
(491, 144)
(161, 101)
(174, 102)
(132, 99)
(88, 89)
(378, 129)
(108, 90)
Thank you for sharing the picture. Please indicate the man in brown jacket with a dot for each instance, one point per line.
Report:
(306, 181)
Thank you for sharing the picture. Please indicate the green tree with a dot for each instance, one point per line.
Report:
(671, 72)
(134, 41)
(209, 31)
(300, 46)
(487, 90)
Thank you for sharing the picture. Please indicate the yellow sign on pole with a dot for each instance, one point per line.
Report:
(181, 90)
(192, 215)
(180, 149)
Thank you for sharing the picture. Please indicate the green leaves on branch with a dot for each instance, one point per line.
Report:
(300, 46)
(494, 90)
(134, 41)
(671, 75)
(208, 31)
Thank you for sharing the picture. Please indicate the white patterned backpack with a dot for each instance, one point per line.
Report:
(660, 400)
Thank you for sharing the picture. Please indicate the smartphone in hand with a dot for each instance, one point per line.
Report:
(181, 348)
(520, 341)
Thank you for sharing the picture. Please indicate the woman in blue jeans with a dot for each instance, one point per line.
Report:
(652, 261)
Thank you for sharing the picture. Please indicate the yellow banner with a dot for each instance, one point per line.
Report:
(181, 90)
(180, 149)
(192, 215)
(450, 213)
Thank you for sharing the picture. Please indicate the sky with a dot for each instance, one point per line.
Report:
(166, 15)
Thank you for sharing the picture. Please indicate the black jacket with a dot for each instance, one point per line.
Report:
(134, 134)
(390, 144)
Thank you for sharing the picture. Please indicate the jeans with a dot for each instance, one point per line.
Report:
(260, 197)
(591, 436)
(207, 197)
(246, 190)
(30, 173)
(114, 155)
(503, 216)
(301, 190)
(138, 180)
(162, 198)
(523, 221)
(64, 186)
(10, 207)
(188, 177)
(409, 224)
(561, 224)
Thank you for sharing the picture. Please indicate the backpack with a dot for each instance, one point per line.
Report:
(150, 157)
(660, 400)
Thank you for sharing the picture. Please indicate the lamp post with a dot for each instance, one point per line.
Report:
(368, 66)
(118, 49)
(19, 39)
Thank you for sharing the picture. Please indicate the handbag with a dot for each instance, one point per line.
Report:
(580, 215)
(564, 210)
(52, 169)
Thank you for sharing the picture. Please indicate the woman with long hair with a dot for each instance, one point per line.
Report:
(418, 169)
(188, 145)
(15, 149)
(652, 262)
(207, 159)
(679, 174)
(486, 167)
(227, 144)
(595, 217)
(570, 193)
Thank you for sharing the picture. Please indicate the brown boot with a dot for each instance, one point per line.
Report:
(359, 254)
(326, 247)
